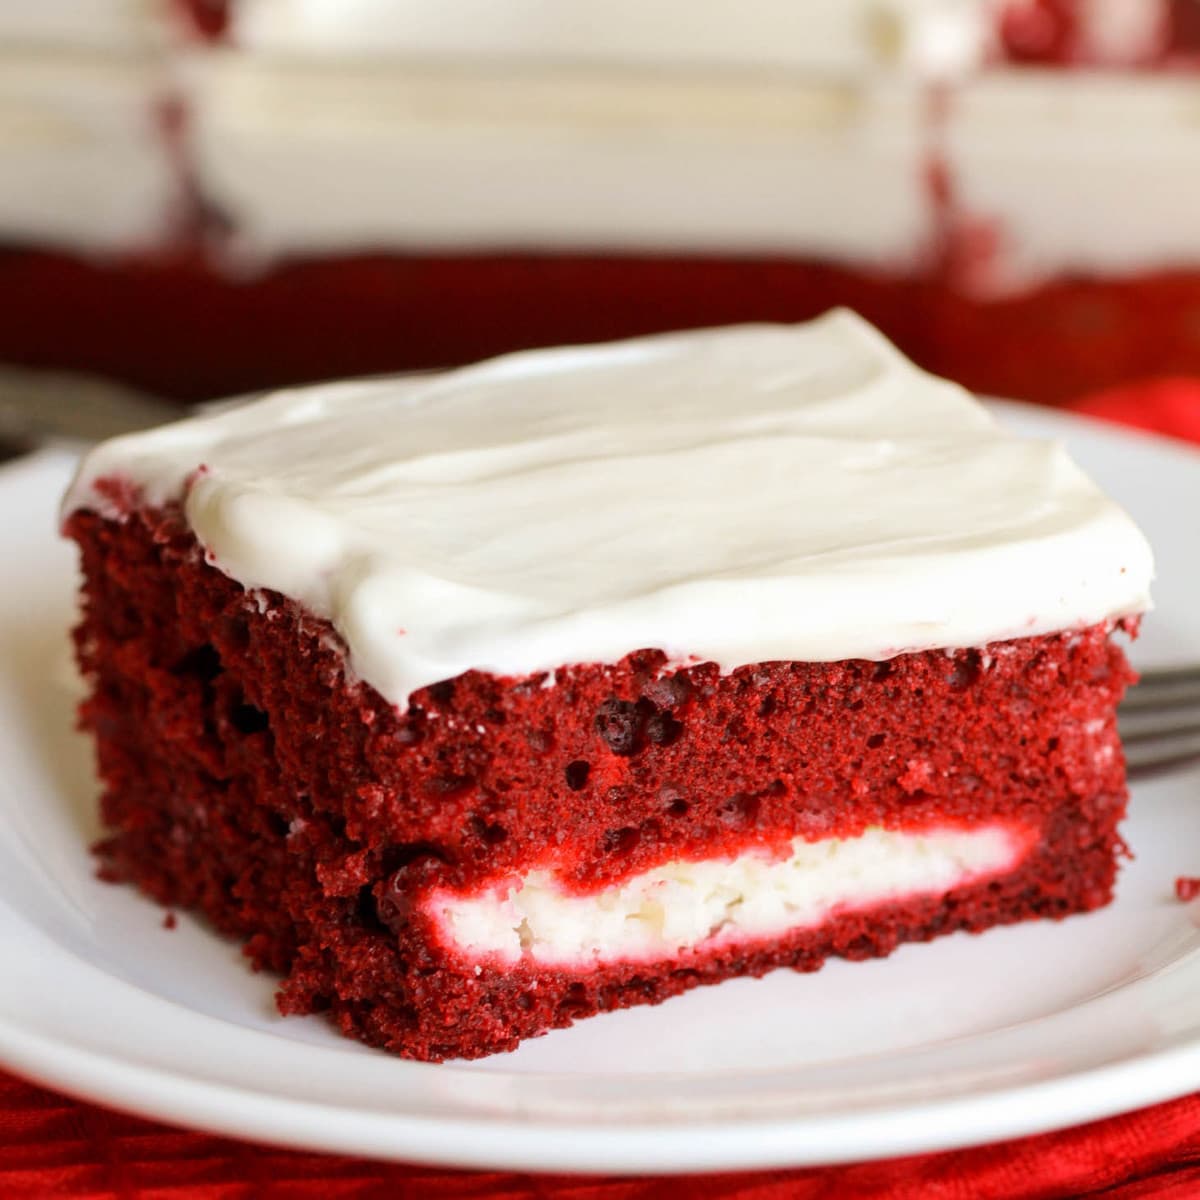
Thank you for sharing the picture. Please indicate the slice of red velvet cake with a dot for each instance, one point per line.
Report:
(479, 703)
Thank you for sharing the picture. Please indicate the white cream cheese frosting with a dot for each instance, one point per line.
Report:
(310, 156)
(1077, 172)
(935, 36)
(325, 158)
(737, 495)
(83, 156)
(86, 24)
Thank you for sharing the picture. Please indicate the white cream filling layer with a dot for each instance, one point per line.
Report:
(683, 906)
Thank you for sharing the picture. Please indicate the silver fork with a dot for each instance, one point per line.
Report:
(1159, 720)
(37, 404)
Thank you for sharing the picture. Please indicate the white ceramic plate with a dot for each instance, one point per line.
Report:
(965, 1040)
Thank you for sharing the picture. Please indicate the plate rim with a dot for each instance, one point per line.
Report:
(580, 1147)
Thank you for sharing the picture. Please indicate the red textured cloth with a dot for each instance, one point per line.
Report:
(54, 1147)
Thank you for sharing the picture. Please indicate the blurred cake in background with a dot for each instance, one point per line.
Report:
(83, 94)
(206, 198)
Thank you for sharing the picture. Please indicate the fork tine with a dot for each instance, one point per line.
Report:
(1143, 758)
(1145, 725)
(1159, 720)
(1154, 675)
(1164, 687)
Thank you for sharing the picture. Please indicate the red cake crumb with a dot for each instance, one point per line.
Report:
(248, 779)
(169, 921)
(1187, 887)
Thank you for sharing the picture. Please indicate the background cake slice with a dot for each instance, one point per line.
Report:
(482, 702)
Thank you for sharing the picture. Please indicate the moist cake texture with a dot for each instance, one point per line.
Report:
(478, 704)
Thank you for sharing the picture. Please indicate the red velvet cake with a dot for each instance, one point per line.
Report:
(481, 703)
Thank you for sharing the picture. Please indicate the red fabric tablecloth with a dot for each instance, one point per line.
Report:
(54, 1147)
(51, 1146)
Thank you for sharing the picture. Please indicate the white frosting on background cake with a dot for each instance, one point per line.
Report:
(758, 128)
(313, 159)
(738, 127)
(827, 35)
(309, 157)
(83, 160)
(707, 903)
(85, 24)
(84, 163)
(1078, 172)
(742, 495)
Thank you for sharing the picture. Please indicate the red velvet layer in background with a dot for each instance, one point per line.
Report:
(177, 327)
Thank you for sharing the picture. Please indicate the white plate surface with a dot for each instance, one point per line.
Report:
(965, 1040)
